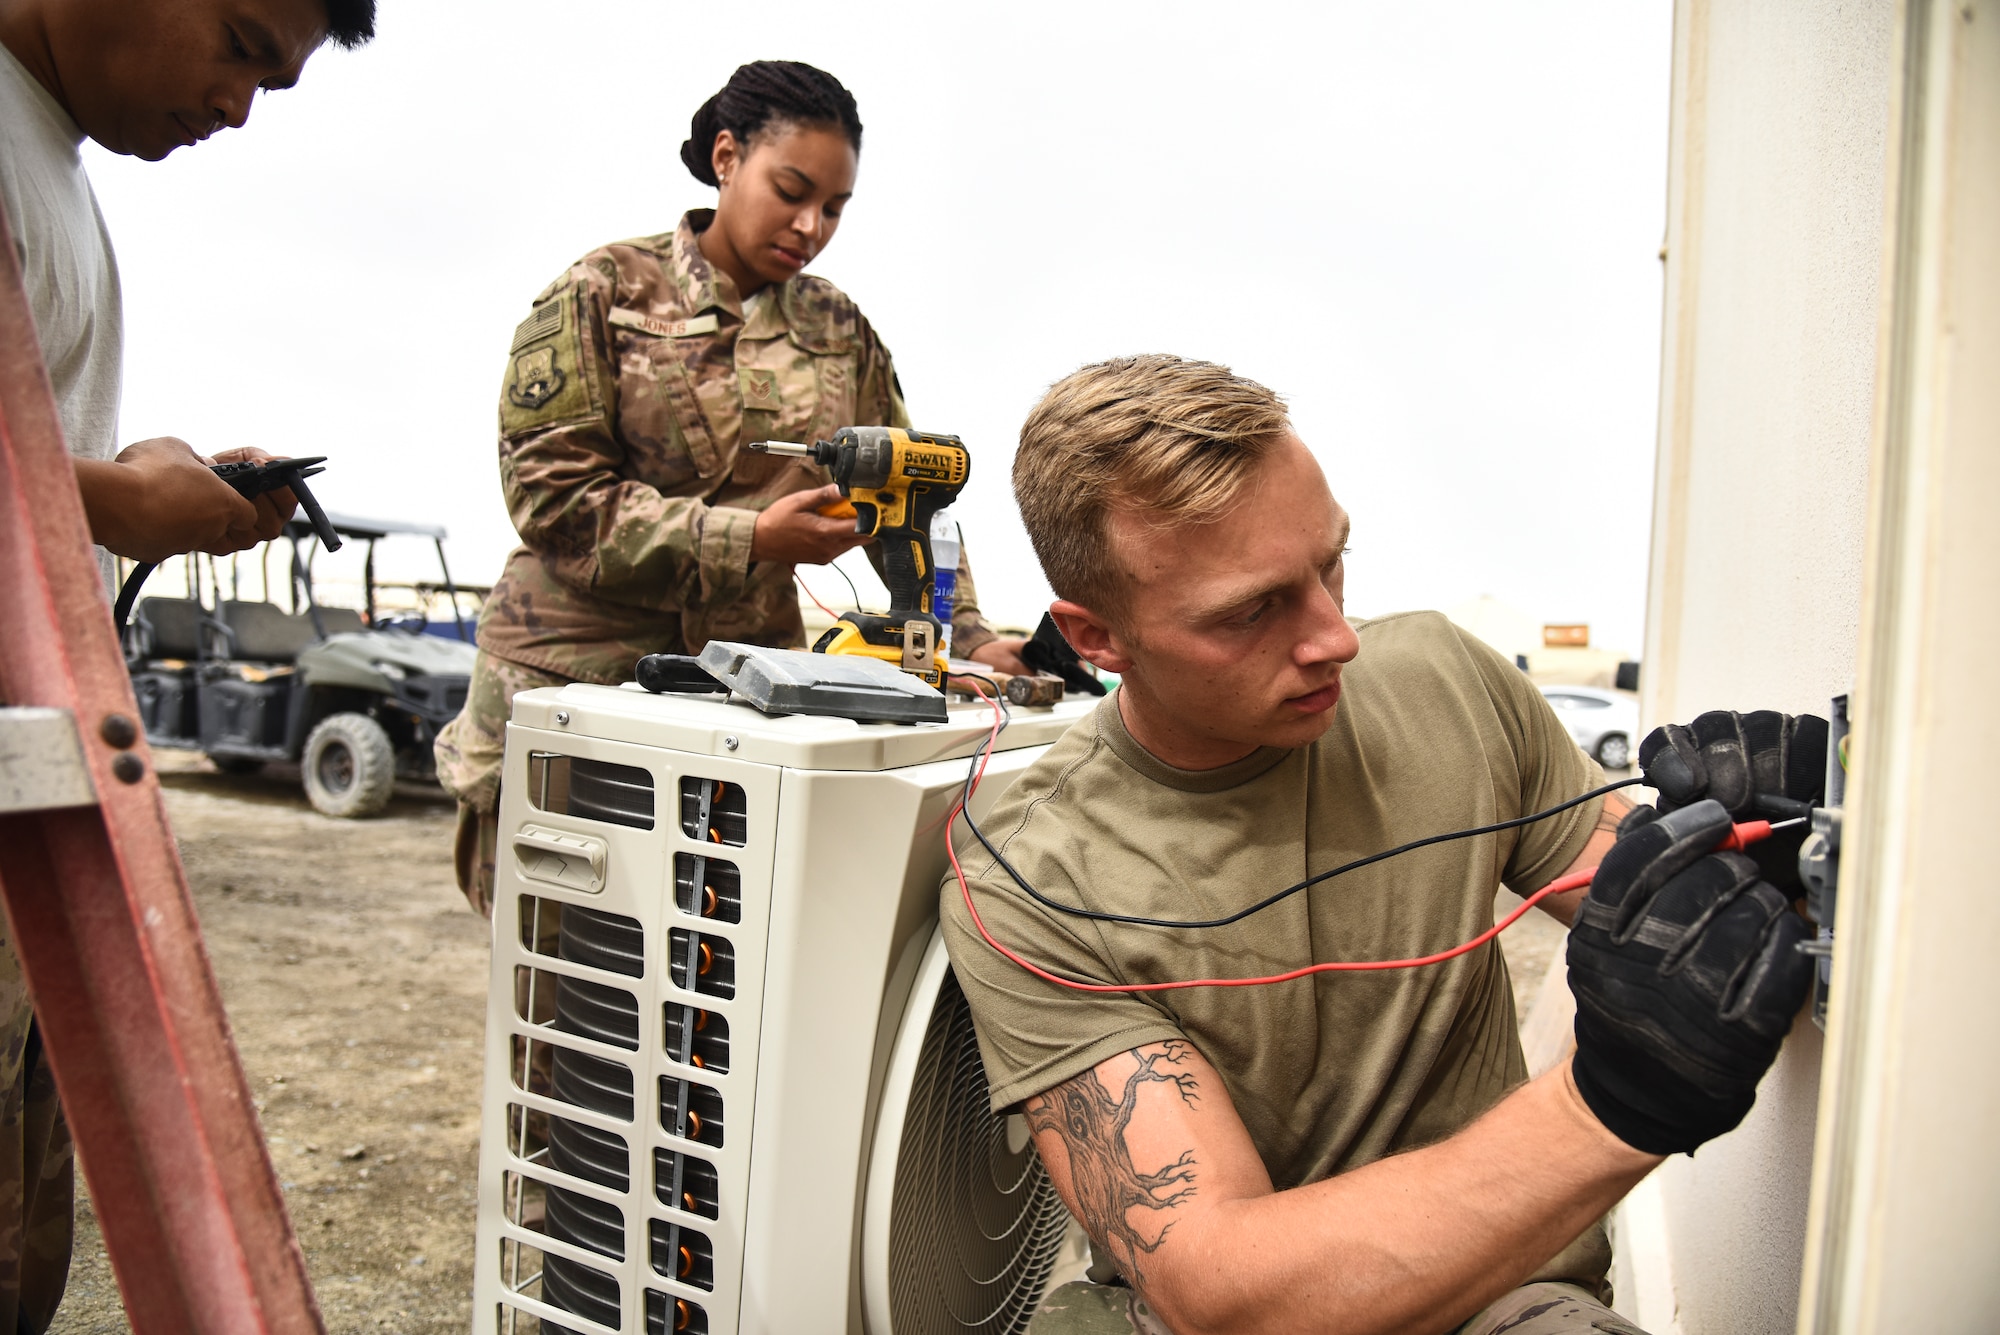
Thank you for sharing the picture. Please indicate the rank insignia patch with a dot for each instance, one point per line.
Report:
(537, 379)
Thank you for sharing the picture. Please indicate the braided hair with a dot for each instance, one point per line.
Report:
(762, 92)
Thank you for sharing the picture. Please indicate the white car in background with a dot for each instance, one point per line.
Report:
(1603, 722)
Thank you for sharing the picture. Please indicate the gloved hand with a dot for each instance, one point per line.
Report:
(1736, 758)
(1686, 978)
(1763, 764)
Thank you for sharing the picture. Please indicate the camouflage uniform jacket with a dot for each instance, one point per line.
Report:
(629, 391)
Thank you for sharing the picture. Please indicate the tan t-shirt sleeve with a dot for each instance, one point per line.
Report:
(1552, 769)
(1034, 1034)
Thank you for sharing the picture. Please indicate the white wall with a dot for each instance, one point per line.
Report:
(1906, 1187)
(1773, 282)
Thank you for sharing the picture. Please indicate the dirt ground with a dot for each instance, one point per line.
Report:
(355, 977)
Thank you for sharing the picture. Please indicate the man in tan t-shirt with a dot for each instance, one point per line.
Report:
(1350, 1151)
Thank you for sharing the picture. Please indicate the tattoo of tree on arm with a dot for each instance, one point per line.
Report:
(1106, 1185)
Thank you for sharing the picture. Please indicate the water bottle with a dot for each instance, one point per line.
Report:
(944, 580)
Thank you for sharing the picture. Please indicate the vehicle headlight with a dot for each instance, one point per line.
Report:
(393, 671)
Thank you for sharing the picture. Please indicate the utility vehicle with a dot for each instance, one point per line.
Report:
(354, 696)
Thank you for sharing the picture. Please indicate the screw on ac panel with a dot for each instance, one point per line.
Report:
(118, 731)
(128, 768)
(729, 742)
(562, 717)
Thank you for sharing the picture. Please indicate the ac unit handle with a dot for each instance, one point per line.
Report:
(558, 857)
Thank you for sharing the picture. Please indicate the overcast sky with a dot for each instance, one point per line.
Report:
(1434, 229)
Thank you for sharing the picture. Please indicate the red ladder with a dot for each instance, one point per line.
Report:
(99, 910)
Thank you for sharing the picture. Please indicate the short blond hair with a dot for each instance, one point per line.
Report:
(1171, 439)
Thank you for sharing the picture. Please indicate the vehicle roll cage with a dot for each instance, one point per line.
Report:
(370, 531)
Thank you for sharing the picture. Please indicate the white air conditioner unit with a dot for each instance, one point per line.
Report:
(731, 1086)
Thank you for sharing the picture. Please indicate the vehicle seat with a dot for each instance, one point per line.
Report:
(341, 620)
(171, 627)
(261, 633)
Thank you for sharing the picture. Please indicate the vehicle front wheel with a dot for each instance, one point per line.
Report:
(1614, 751)
(349, 766)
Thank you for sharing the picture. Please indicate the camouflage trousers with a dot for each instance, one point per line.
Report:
(1533, 1309)
(37, 1165)
(469, 752)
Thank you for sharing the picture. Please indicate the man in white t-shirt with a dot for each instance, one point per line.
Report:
(141, 77)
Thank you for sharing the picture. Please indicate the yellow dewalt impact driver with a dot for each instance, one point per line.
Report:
(897, 481)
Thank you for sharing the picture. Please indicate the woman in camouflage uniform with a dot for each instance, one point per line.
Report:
(630, 389)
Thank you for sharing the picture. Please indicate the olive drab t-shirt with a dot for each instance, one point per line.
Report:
(1434, 732)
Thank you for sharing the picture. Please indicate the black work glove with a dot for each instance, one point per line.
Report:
(1687, 977)
(1765, 764)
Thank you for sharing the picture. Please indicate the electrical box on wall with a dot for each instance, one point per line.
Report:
(1819, 858)
(730, 1083)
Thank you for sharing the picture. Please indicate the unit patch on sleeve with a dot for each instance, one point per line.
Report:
(546, 372)
(537, 379)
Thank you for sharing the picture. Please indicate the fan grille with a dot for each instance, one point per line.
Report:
(975, 1228)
